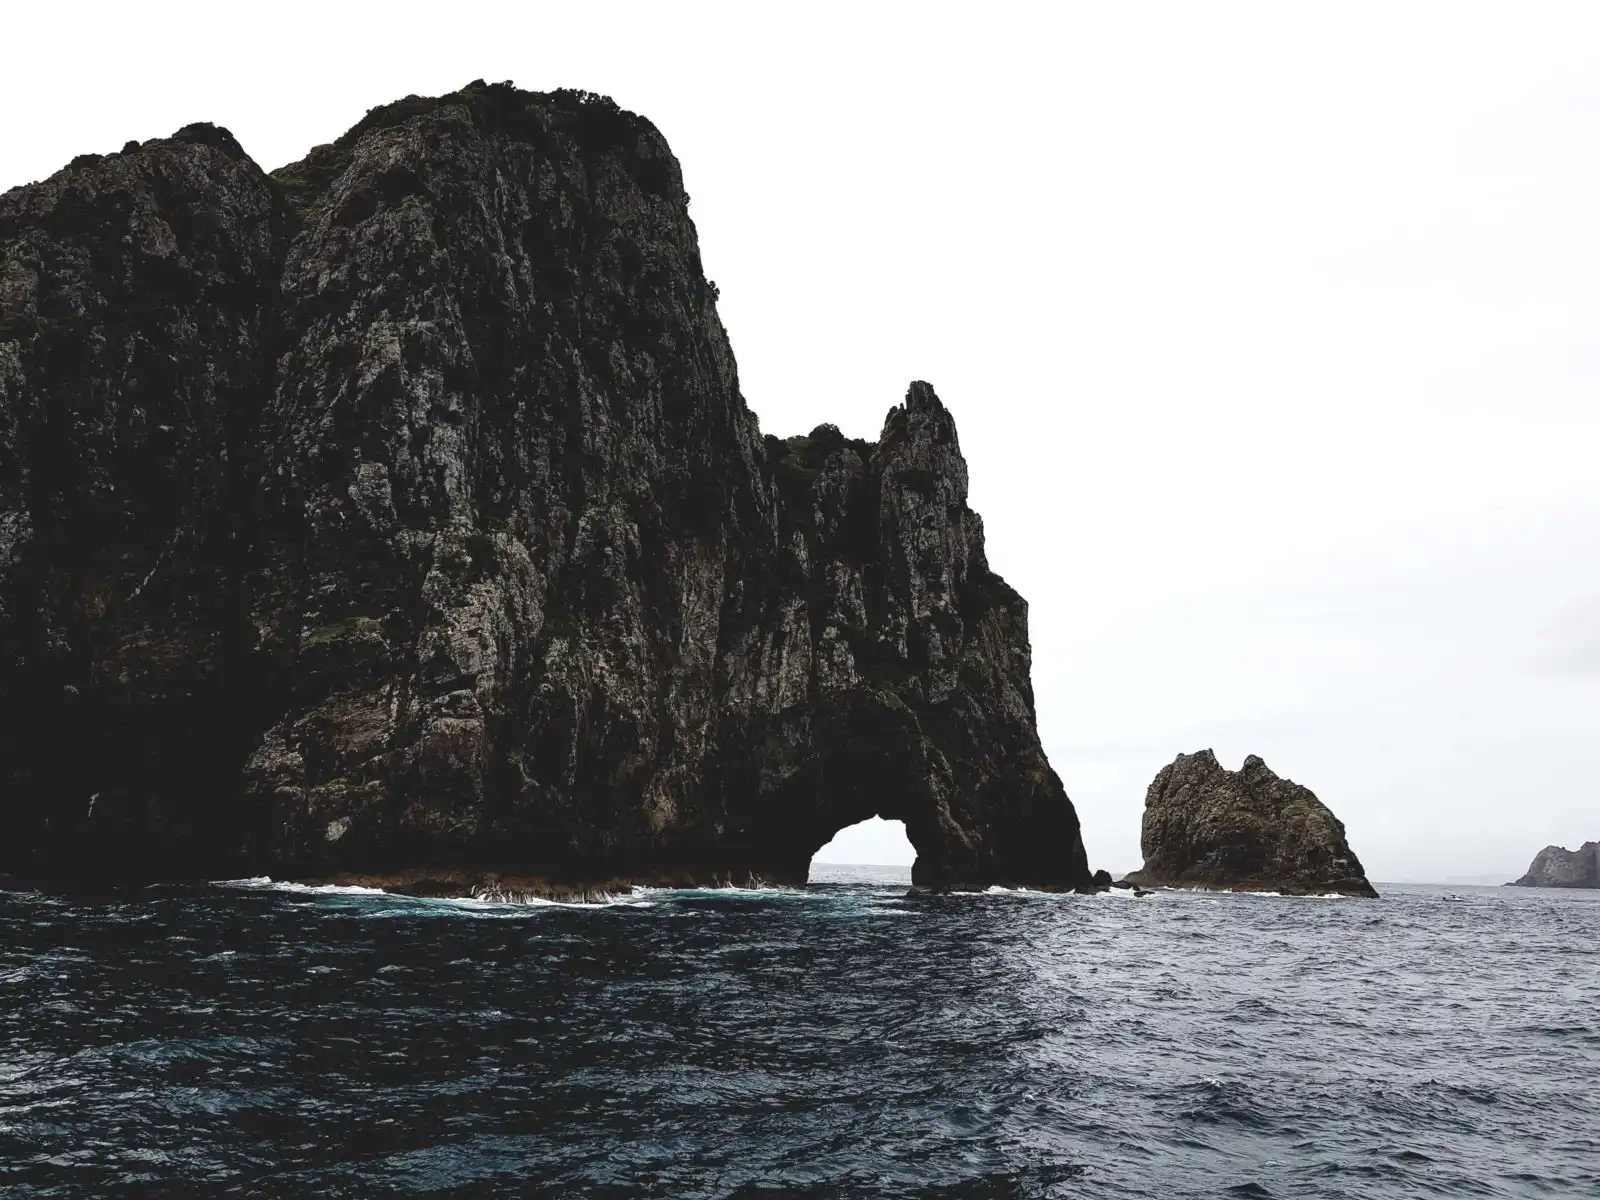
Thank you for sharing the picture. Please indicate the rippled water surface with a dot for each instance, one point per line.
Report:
(849, 1041)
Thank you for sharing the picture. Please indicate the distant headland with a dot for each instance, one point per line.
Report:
(1558, 867)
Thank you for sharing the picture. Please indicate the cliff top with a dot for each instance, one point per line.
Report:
(595, 122)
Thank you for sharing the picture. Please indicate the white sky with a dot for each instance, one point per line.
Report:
(1269, 331)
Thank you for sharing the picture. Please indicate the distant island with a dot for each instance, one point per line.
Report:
(1558, 867)
(397, 517)
(1246, 830)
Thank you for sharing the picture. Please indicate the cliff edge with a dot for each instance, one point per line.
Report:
(397, 515)
(1246, 830)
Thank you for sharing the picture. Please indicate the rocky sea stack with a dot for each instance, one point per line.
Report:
(1246, 830)
(1556, 866)
(398, 515)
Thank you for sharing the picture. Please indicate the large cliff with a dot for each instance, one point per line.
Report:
(1556, 866)
(398, 513)
(1247, 830)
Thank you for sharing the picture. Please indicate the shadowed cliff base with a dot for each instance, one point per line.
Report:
(399, 514)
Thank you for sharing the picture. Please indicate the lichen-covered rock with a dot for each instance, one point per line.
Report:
(399, 515)
(1247, 830)
(1556, 866)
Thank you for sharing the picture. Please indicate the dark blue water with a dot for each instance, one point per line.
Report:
(846, 1041)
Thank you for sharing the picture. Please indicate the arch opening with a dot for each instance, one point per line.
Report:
(874, 842)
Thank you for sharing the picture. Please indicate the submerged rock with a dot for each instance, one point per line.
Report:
(1247, 830)
(399, 515)
(1556, 866)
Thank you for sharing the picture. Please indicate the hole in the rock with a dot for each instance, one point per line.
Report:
(873, 842)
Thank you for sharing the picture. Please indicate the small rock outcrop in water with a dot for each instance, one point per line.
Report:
(398, 515)
(1247, 830)
(1556, 866)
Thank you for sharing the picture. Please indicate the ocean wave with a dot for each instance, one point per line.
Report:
(489, 902)
(995, 889)
(500, 903)
(746, 893)
(780, 1042)
(267, 884)
(1205, 891)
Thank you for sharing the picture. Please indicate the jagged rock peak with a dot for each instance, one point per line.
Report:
(398, 515)
(920, 397)
(1556, 866)
(1246, 830)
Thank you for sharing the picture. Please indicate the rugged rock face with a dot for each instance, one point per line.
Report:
(1247, 830)
(134, 291)
(1556, 866)
(398, 514)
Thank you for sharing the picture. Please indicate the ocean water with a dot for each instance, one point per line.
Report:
(848, 1040)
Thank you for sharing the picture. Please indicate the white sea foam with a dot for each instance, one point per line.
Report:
(727, 891)
(509, 904)
(512, 904)
(733, 891)
(1204, 891)
(995, 889)
(266, 883)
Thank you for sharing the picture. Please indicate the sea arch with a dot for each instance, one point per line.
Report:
(872, 842)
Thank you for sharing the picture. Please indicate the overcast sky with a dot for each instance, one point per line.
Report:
(1270, 332)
